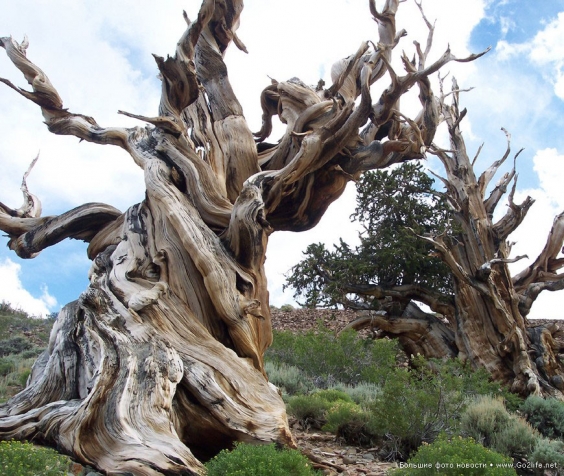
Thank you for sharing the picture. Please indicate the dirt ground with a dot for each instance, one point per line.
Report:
(333, 458)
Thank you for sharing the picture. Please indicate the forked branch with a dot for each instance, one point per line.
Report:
(58, 119)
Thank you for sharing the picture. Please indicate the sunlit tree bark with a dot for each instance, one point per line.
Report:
(159, 363)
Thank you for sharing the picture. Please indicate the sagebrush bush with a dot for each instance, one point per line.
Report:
(14, 345)
(456, 456)
(363, 393)
(25, 459)
(291, 380)
(488, 422)
(330, 359)
(546, 415)
(259, 460)
(6, 366)
(484, 418)
(517, 439)
(547, 453)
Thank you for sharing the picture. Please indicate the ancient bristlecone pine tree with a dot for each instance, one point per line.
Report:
(484, 320)
(159, 363)
(489, 309)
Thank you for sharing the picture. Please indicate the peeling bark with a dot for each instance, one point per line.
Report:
(159, 363)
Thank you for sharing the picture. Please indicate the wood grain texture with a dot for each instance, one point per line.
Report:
(159, 363)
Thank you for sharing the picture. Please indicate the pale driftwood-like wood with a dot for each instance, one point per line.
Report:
(491, 306)
(159, 363)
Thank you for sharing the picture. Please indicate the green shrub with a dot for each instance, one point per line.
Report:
(546, 415)
(471, 381)
(353, 424)
(363, 393)
(488, 422)
(6, 366)
(333, 395)
(309, 410)
(328, 359)
(513, 402)
(24, 376)
(458, 456)
(415, 405)
(6, 308)
(14, 345)
(290, 379)
(547, 454)
(407, 413)
(263, 460)
(418, 404)
(287, 308)
(32, 353)
(334, 411)
(25, 459)
(341, 413)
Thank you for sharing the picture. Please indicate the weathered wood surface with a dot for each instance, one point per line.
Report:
(159, 363)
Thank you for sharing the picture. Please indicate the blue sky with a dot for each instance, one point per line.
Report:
(100, 61)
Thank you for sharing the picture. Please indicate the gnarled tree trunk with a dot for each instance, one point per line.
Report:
(159, 363)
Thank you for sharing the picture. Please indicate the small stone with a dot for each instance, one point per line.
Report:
(76, 469)
(348, 460)
(368, 456)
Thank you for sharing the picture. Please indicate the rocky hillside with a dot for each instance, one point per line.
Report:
(304, 319)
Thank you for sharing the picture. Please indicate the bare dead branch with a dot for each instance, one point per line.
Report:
(436, 301)
(29, 236)
(419, 332)
(58, 119)
(546, 264)
(488, 174)
(513, 218)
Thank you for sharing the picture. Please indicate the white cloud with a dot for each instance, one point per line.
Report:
(506, 51)
(13, 292)
(545, 50)
(548, 44)
(549, 165)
